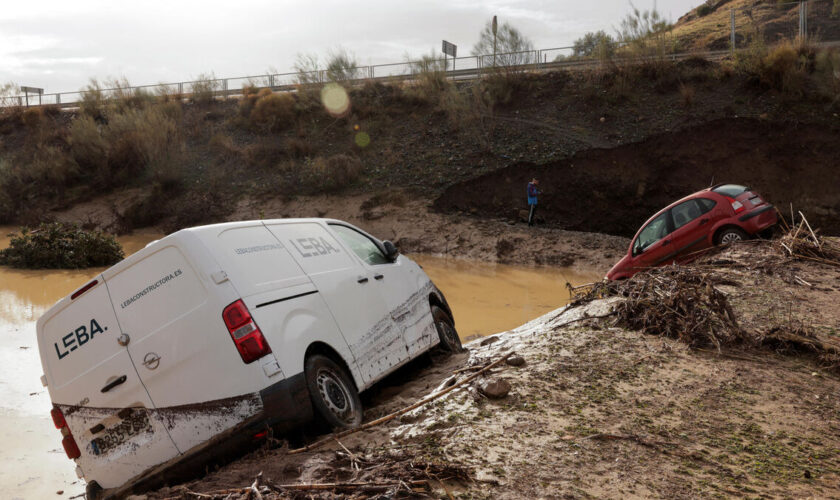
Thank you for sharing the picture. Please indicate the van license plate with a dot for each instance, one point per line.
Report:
(135, 423)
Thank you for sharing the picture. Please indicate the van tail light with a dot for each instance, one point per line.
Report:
(245, 333)
(69, 442)
(58, 418)
(736, 205)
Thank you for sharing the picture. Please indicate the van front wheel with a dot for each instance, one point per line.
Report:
(333, 392)
(449, 340)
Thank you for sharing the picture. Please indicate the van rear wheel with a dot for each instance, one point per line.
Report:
(333, 392)
(449, 339)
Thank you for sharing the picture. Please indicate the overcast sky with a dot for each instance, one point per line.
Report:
(59, 44)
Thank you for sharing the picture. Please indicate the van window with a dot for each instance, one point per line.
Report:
(315, 249)
(653, 232)
(361, 245)
(155, 291)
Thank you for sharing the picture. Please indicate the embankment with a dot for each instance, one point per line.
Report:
(615, 190)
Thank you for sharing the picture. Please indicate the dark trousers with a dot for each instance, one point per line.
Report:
(531, 214)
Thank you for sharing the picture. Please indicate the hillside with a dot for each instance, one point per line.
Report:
(170, 163)
(707, 27)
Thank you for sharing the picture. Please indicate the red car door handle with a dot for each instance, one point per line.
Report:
(666, 242)
(703, 221)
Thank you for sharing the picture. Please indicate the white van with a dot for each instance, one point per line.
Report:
(214, 334)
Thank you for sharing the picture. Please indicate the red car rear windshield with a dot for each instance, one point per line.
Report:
(730, 190)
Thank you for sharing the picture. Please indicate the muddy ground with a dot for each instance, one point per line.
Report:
(412, 224)
(598, 411)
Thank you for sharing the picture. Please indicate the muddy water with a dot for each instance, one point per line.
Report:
(34, 463)
(491, 298)
(486, 299)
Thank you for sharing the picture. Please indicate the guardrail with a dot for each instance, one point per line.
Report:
(463, 68)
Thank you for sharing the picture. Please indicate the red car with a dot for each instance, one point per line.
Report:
(718, 215)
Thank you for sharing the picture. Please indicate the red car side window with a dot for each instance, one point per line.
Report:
(685, 212)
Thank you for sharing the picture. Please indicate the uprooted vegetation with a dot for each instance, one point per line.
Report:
(427, 133)
(597, 409)
(60, 246)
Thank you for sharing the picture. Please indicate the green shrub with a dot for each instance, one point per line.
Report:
(61, 246)
(145, 140)
(89, 150)
(273, 112)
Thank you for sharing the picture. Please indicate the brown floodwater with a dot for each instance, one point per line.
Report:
(485, 298)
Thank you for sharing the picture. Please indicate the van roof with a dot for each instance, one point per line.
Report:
(186, 235)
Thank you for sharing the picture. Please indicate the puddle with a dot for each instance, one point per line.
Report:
(486, 299)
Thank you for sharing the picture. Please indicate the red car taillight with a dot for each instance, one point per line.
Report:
(245, 333)
(69, 442)
(736, 205)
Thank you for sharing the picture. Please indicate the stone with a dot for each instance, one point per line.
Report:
(516, 361)
(494, 388)
(489, 340)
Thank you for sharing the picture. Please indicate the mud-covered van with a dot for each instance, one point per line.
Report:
(214, 334)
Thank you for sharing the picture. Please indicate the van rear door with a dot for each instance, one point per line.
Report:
(179, 343)
(92, 380)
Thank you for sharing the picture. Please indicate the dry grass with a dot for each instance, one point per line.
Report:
(273, 112)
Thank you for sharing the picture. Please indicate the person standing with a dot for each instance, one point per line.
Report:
(533, 192)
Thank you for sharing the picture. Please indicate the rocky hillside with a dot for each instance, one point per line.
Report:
(708, 25)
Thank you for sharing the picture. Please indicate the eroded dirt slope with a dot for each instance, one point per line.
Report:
(616, 190)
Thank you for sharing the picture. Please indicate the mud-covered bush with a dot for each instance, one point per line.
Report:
(273, 112)
(61, 246)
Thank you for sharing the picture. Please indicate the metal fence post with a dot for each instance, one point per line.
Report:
(732, 33)
(58, 99)
(181, 88)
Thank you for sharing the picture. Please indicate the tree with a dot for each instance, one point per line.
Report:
(340, 66)
(598, 44)
(645, 30)
(512, 48)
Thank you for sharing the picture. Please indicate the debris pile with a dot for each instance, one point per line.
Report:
(391, 474)
(677, 302)
(802, 242)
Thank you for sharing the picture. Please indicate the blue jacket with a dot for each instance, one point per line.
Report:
(532, 193)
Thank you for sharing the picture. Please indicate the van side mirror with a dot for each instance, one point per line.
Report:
(391, 252)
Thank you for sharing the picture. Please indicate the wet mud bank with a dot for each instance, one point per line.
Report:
(615, 190)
